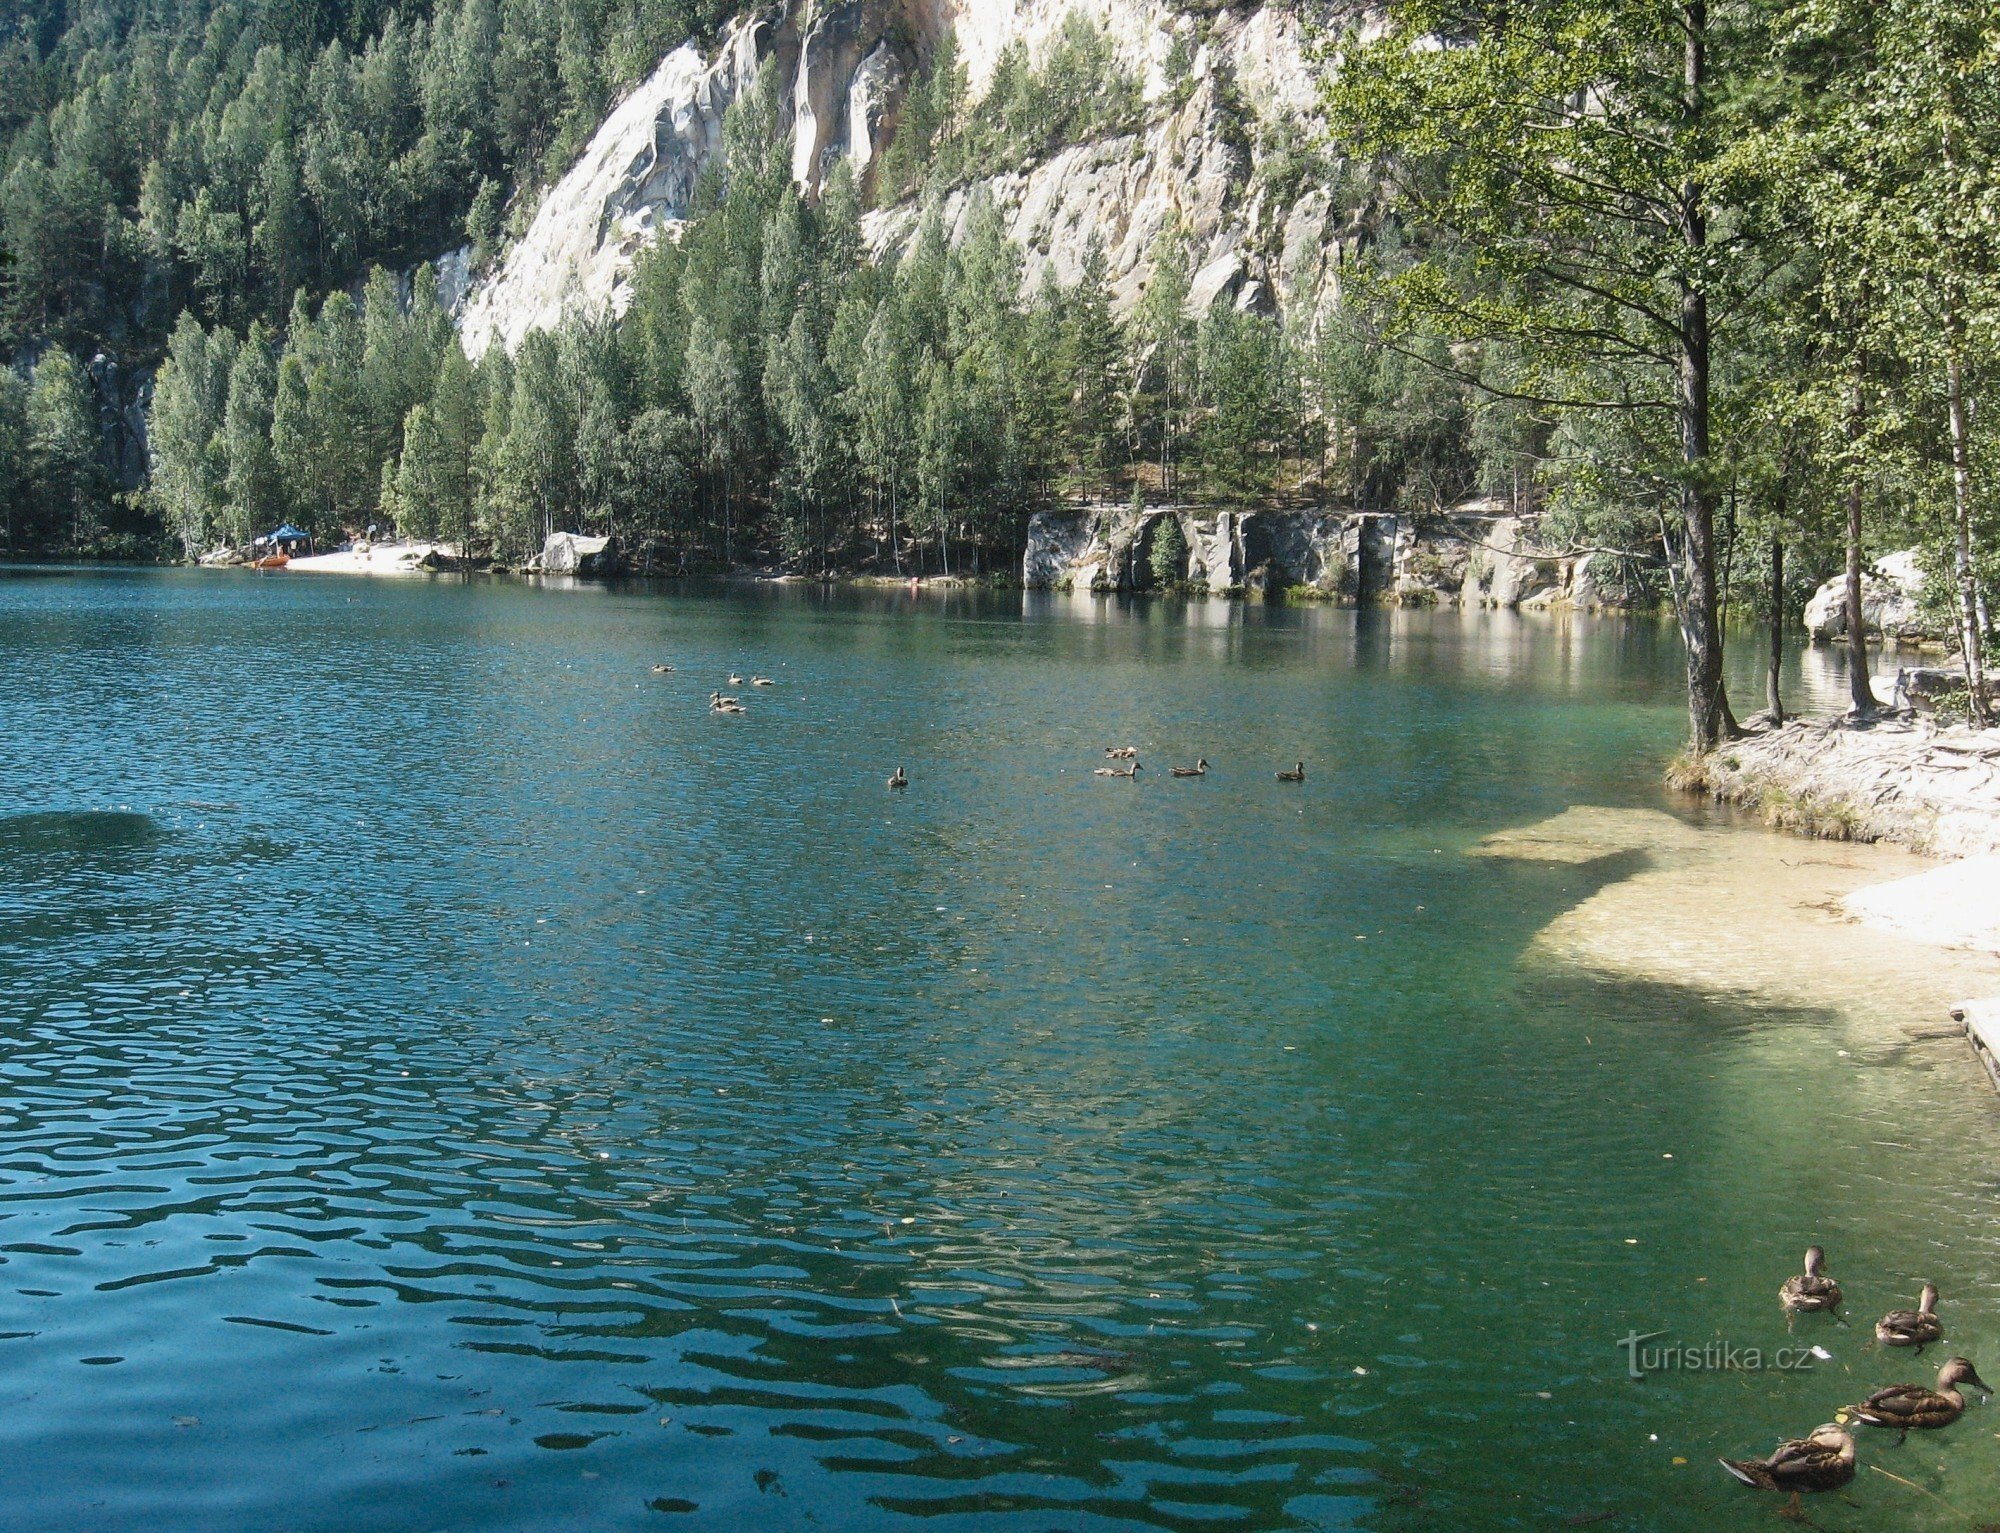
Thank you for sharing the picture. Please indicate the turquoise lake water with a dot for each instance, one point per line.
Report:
(452, 1081)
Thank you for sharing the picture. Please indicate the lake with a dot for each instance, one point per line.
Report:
(453, 1081)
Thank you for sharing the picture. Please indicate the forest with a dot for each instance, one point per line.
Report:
(1707, 285)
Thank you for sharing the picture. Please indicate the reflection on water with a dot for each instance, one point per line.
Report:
(455, 1081)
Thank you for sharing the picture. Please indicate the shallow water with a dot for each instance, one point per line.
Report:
(453, 1081)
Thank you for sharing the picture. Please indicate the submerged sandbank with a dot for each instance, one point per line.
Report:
(1839, 926)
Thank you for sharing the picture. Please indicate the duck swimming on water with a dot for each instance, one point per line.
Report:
(1911, 1407)
(898, 780)
(1199, 769)
(1130, 771)
(1917, 1327)
(1297, 774)
(1122, 752)
(1812, 1289)
(1821, 1460)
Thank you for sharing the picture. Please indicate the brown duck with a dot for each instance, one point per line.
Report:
(1822, 1460)
(1917, 1327)
(1812, 1289)
(1911, 1407)
(1199, 769)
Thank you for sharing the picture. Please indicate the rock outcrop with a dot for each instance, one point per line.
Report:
(1933, 788)
(1207, 156)
(1891, 593)
(633, 181)
(571, 553)
(1475, 559)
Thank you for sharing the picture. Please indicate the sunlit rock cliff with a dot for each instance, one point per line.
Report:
(1228, 103)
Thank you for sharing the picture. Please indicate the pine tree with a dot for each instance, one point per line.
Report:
(66, 481)
(188, 461)
(256, 491)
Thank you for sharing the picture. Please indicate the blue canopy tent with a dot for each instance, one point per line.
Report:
(288, 538)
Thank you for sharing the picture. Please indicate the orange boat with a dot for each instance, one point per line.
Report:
(272, 562)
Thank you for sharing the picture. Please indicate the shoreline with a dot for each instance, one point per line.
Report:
(1899, 778)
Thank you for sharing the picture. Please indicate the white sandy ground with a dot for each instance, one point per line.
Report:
(1881, 935)
(380, 559)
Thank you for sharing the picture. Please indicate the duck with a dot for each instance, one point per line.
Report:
(1122, 752)
(762, 681)
(662, 670)
(1297, 774)
(898, 780)
(735, 681)
(1130, 771)
(1199, 769)
(1911, 1407)
(1812, 1290)
(1821, 1460)
(717, 703)
(1917, 1327)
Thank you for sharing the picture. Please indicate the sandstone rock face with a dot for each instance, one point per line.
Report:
(1197, 161)
(1473, 560)
(1890, 592)
(633, 180)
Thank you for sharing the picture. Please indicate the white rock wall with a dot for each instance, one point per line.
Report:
(845, 67)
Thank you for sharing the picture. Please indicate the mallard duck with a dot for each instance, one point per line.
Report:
(1917, 1327)
(1813, 1289)
(1199, 769)
(762, 681)
(1297, 774)
(898, 780)
(1911, 1407)
(1122, 752)
(1822, 1460)
(662, 670)
(1130, 771)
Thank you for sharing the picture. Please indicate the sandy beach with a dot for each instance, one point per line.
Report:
(374, 559)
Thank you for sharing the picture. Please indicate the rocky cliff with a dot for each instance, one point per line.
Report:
(1475, 558)
(1215, 152)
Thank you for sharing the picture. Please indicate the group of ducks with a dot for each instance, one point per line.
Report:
(1130, 754)
(1824, 1458)
(723, 702)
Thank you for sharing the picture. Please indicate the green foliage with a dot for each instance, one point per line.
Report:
(217, 154)
(1168, 555)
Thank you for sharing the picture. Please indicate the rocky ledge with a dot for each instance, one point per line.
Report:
(1474, 557)
(1900, 778)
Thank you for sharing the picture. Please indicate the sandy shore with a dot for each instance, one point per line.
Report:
(1745, 910)
(377, 559)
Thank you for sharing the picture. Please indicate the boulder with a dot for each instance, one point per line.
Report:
(571, 553)
(1890, 592)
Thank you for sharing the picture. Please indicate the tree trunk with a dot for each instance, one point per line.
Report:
(1708, 706)
(1858, 684)
(1773, 697)
(1961, 494)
